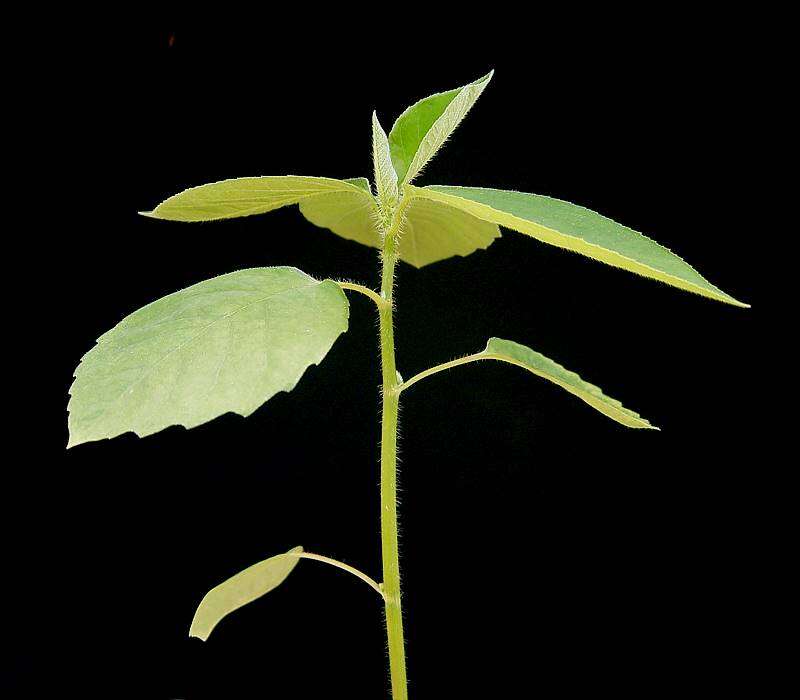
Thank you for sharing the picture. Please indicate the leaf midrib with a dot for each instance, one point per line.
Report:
(705, 284)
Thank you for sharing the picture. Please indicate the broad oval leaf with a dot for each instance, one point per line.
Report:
(226, 344)
(421, 130)
(525, 357)
(241, 589)
(385, 176)
(348, 215)
(576, 228)
(431, 231)
(246, 196)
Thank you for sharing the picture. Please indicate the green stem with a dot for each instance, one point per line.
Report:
(389, 547)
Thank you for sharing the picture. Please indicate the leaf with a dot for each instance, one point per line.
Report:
(361, 182)
(431, 231)
(226, 344)
(525, 357)
(576, 228)
(246, 196)
(347, 214)
(385, 176)
(241, 589)
(421, 130)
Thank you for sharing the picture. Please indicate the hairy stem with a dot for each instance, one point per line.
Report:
(389, 546)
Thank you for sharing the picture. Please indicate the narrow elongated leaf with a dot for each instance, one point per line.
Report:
(523, 356)
(385, 176)
(226, 344)
(576, 228)
(421, 130)
(246, 196)
(241, 589)
(431, 231)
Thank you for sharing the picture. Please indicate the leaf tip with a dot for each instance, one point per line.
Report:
(198, 635)
(728, 299)
(73, 440)
(149, 214)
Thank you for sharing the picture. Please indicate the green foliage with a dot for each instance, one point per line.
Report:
(230, 343)
(423, 128)
(523, 356)
(241, 589)
(578, 229)
(431, 231)
(227, 344)
(246, 196)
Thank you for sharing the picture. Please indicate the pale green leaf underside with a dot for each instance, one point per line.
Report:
(348, 215)
(241, 589)
(578, 229)
(246, 196)
(421, 130)
(224, 345)
(525, 357)
(431, 231)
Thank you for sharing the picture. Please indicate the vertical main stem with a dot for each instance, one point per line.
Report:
(389, 546)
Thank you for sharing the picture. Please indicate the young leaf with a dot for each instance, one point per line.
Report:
(422, 129)
(226, 344)
(525, 357)
(246, 196)
(576, 228)
(385, 176)
(241, 589)
(431, 231)
(347, 214)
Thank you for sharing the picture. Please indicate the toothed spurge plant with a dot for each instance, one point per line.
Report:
(232, 342)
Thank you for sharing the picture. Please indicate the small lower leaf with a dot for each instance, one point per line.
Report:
(241, 589)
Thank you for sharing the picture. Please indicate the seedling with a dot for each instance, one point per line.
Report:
(231, 343)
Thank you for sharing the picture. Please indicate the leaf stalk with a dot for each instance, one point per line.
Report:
(366, 291)
(476, 357)
(340, 565)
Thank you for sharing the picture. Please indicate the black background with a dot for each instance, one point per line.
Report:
(546, 550)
